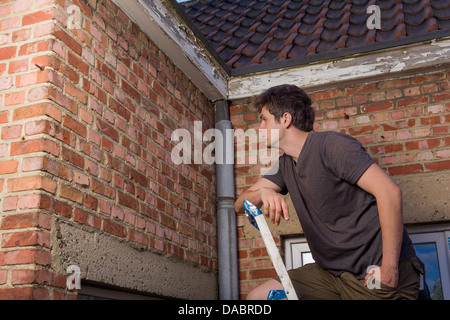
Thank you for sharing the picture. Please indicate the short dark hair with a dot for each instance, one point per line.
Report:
(291, 99)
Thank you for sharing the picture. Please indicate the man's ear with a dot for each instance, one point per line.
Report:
(287, 119)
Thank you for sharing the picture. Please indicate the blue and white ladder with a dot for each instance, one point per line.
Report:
(259, 222)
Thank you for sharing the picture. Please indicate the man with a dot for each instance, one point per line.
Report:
(349, 209)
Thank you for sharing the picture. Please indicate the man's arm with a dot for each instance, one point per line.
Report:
(265, 192)
(389, 201)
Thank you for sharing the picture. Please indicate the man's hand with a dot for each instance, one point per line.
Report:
(275, 206)
(385, 275)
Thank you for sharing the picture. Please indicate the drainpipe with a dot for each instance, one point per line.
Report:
(226, 215)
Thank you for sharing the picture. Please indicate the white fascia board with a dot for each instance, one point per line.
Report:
(177, 41)
(420, 57)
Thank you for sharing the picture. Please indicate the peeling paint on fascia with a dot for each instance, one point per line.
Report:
(368, 65)
(181, 34)
(398, 67)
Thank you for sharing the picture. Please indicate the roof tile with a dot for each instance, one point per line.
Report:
(252, 32)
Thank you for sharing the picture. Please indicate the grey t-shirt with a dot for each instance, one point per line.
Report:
(339, 219)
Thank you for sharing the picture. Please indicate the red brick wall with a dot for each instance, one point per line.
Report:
(86, 117)
(403, 123)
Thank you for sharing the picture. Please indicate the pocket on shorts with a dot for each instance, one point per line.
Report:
(418, 265)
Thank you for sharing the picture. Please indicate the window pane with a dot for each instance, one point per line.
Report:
(427, 253)
(307, 258)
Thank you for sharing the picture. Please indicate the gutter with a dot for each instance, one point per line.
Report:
(226, 215)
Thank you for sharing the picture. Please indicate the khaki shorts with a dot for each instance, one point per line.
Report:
(311, 282)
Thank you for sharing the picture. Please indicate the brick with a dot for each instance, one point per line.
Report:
(445, 96)
(168, 221)
(26, 220)
(428, 78)
(24, 293)
(402, 124)
(444, 153)
(71, 89)
(408, 169)
(14, 98)
(361, 89)
(422, 144)
(108, 72)
(7, 53)
(9, 204)
(32, 183)
(393, 83)
(439, 108)
(11, 132)
(127, 201)
(70, 193)
(8, 166)
(133, 93)
(103, 189)
(138, 237)
(36, 110)
(341, 113)
(73, 157)
(39, 276)
(412, 101)
(87, 218)
(107, 129)
(3, 276)
(27, 256)
(26, 238)
(74, 125)
(35, 47)
(4, 116)
(440, 165)
(39, 16)
(78, 63)
(68, 40)
(21, 35)
(40, 126)
(36, 145)
(18, 66)
(139, 177)
(62, 208)
(364, 129)
(114, 228)
(32, 78)
(263, 273)
(33, 201)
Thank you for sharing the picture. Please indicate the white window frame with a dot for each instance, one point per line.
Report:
(293, 249)
(440, 234)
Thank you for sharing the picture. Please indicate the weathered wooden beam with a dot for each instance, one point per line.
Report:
(420, 57)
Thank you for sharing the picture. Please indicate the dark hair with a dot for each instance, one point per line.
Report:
(291, 99)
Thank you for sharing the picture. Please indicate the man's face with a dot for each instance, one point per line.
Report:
(271, 126)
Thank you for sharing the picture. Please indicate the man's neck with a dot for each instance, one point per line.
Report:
(293, 143)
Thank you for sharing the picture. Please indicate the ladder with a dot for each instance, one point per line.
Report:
(257, 219)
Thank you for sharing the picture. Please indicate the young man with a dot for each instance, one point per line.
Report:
(349, 209)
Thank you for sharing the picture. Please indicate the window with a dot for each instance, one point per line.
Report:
(432, 245)
(433, 249)
(297, 253)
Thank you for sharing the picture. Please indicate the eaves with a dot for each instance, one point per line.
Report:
(166, 23)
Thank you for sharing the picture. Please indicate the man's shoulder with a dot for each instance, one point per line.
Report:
(333, 136)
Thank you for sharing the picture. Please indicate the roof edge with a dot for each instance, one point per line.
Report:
(342, 53)
(171, 34)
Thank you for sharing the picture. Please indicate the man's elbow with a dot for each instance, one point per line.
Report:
(236, 206)
(397, 192)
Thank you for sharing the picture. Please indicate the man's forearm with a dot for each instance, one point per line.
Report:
(391, 222)
(253, 196)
